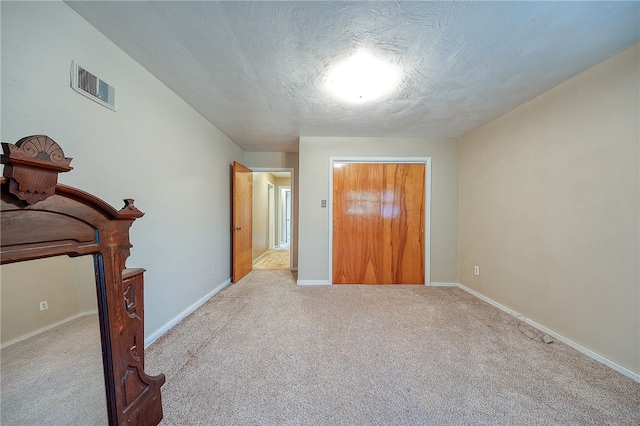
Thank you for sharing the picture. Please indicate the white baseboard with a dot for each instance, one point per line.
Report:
(489, 301)
(258, 258)
(168, 326)
(326, 282)
(313, 282)
(569, 342)
(442, 285)
(47, 328)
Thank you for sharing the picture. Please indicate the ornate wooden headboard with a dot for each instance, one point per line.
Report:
(41, 218)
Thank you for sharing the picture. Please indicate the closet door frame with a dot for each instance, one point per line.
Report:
(427, 208)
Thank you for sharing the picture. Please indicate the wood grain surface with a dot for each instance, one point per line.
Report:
(242, 194)
(378, 219)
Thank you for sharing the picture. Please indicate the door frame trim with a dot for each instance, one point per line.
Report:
(427, 208)
(271, 221)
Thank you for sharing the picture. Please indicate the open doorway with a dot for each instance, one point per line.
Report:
(271, 230)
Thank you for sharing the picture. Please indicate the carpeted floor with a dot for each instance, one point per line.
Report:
(55, 378)
(265, 351)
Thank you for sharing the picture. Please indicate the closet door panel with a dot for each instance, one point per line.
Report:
(403, 215)
(378, 220)
(357, 223)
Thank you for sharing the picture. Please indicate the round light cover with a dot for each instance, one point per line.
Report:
(363, 78)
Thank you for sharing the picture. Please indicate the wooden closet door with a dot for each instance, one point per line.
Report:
(403, 212)
(357, 223)
(378, 220)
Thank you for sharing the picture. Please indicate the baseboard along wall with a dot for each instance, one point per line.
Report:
(313, 282)
(47, 328)
(259, 257)
(168, 326)
(634, 376)
(561, 338)
(326, 282)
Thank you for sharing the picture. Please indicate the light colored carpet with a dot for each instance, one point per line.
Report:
(274, 259)
(55, 378)
(265, 351)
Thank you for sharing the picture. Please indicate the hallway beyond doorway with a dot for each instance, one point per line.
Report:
(277, 258)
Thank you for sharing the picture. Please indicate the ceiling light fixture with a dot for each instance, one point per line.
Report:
(363, 78)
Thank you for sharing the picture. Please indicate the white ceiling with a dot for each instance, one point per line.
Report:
(256, 69)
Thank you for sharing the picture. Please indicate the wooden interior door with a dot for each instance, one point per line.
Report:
(403, 213)
(241, 238)
(378, 220)
(357, 223)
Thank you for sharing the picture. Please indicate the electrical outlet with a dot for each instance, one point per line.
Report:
(44, 305)
(323, 203)
(476, 270)
(213, 270)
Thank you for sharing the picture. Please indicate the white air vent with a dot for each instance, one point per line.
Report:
(87, 84)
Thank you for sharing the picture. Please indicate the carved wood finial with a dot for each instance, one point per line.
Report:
(32, 166)
(129, 209)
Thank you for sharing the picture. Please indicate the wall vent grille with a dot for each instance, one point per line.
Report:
(89, 85)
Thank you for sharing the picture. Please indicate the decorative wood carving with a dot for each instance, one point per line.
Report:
(32, 166)
(41, 218)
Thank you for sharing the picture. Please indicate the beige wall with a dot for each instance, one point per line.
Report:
(83, 271)
(68, 285)
(277, 161)
(550, 207)
(315, 153)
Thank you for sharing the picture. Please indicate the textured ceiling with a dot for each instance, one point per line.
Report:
(256, 70)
